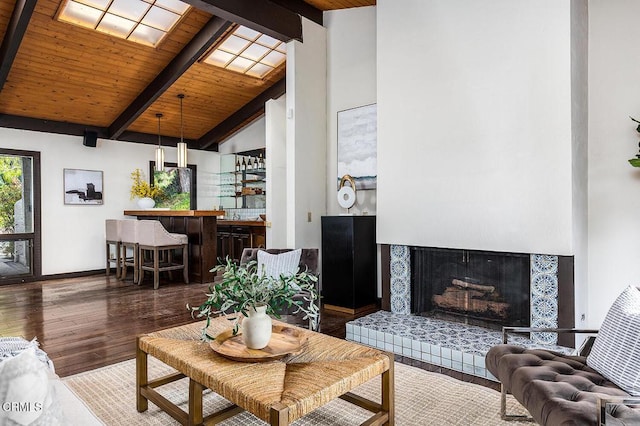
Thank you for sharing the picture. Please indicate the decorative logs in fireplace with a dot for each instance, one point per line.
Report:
(472, 299)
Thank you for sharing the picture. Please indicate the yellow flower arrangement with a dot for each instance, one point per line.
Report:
(141, 188)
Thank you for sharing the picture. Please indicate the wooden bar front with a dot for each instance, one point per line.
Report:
(201, 228)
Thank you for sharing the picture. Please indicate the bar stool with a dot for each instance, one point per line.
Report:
(128, 231)
(156, 242)
(112, 238)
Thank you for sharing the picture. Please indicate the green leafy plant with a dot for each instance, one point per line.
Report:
(243, 287)
(141, 188)
(635, 162)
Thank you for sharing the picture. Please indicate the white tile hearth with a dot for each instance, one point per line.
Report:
(456, 346)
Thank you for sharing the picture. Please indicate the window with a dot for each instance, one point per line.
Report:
(143, 21)
(248, 52)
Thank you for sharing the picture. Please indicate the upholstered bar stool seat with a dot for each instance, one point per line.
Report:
(128, 230)
(156, 248)
(112, 239)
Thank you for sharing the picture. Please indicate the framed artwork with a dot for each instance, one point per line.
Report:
(358, 145)
(83, 187)
(178, 186)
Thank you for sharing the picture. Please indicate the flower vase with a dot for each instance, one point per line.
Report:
(146, 203)
(256, 328)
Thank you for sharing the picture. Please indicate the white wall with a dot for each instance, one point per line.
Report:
(474, 124)
(579, 135)
(306, 112)
(73, 236)
(614, 186)
(248, 138)
(351, 82)
(276, 160)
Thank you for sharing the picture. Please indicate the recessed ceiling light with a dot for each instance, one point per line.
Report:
(143, 21)
(248, 52)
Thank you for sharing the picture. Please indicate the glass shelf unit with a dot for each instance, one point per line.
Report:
(244, 188)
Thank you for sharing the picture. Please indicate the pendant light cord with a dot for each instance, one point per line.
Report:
(181, 96)
(159, 115)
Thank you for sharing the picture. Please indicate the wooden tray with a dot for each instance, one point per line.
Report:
(285, 340)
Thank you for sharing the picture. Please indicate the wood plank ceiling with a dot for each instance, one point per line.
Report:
(65, 79)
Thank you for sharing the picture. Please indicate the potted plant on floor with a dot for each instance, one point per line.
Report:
(248, 291)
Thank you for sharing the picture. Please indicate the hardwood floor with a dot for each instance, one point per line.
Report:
(90, 322)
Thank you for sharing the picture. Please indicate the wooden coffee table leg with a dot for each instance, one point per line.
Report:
(195, 402)
(142, 378)
(279, 415)
(388, 392)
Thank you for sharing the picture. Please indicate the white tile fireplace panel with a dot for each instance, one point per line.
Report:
(459, 347)
(400, 270)
(544, 297)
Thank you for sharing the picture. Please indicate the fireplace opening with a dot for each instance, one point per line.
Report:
(476, 287)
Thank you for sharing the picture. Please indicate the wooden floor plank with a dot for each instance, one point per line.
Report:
(89, 322)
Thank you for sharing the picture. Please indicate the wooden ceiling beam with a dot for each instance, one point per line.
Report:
(207, 36)
(210, 140)
(16, 29)
(303, 8)
(260, 15)
(76, 129)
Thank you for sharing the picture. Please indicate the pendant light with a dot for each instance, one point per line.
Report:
(159, 149)
(182, 145)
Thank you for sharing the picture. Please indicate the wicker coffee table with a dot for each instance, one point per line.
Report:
(278, 392)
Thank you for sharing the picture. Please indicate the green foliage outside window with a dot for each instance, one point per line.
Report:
(175, 185)
(10, 190)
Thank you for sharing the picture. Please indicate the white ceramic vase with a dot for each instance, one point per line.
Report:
(256, 328)
(146, 203)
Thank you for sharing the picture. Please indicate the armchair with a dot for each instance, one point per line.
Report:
(308, 261)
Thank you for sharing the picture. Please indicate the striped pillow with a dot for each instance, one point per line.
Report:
(616, 350)
(275, 265)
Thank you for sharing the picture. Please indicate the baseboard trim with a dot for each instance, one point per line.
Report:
(351, 311)
(66, 275)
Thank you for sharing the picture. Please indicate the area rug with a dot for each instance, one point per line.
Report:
(422, 398)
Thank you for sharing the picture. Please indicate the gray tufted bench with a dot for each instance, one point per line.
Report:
(559, 389)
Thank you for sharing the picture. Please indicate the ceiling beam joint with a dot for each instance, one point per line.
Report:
(260, 15)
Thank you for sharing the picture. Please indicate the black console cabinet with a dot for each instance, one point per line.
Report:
(349, 263)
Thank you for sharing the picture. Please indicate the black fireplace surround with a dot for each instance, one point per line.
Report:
(482, 287)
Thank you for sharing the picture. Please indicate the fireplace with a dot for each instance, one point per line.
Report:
(499, 288)
(479, 287)
(547, 296)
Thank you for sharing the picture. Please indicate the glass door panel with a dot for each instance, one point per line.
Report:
(19, 235)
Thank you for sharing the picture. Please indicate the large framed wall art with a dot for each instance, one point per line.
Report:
(358, 145)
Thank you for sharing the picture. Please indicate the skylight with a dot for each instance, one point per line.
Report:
(248, 52)
(143, 21)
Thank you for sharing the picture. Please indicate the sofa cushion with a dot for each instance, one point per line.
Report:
(616, 350)
(308, 257)
(274, 265)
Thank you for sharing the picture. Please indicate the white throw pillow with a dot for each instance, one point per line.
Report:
(274, 265)
(26, 392)
(616, 350)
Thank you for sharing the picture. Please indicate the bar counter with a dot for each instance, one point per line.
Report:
(201, 228)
